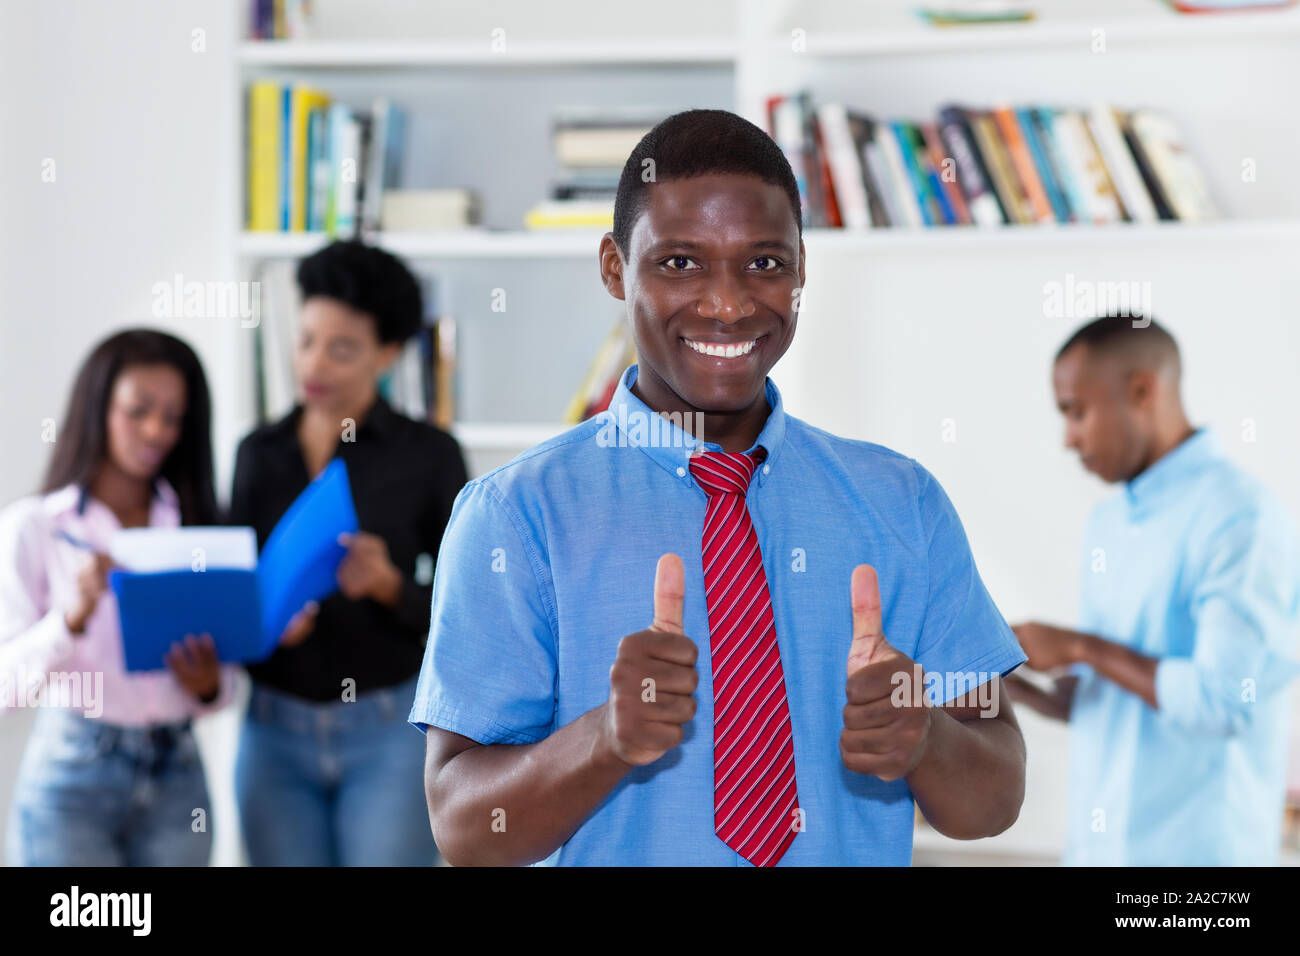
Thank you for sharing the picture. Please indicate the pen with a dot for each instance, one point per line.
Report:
(75, 541)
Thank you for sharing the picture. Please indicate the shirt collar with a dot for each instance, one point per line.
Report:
(669, 445)
(164, 509)
(380, 419)
(1199, 448)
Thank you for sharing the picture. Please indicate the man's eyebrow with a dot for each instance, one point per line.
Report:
(693, 246)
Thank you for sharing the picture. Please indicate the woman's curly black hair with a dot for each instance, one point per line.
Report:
(369, 280)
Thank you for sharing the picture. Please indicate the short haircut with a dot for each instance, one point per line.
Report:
(699, 143)
(369, 280)
(1139, 341)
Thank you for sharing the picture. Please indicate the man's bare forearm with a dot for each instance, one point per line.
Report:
(1133, 671)
(1054, 704)
(971, 781)
(515, 804)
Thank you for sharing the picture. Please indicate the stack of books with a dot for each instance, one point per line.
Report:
(317, 165)
(987, 167)
(590, 151)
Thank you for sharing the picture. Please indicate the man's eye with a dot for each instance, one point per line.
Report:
(776, 263)
(676, 259)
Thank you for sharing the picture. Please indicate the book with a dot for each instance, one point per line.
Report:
(941, 165)
(1001, 175)
(1181, 179)
(300, 99)
(846, 166)
(383, 160)
(1103, 123)
(1087, 167)
(972, 177)
(1022, 163)
(244, 609)
(1047, 173)
(264, 136)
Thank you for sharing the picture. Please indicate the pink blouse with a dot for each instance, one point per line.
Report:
(38, 582)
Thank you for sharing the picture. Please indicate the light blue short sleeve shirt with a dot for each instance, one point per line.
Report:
(549, 561)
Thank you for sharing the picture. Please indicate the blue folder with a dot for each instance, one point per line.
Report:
(244, 610)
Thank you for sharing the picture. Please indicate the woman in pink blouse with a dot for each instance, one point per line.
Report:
(111, 774)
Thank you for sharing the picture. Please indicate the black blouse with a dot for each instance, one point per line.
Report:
(405, 475)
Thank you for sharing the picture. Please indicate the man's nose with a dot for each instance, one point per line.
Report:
(725, 300)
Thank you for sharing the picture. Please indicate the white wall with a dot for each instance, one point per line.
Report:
(137, 125)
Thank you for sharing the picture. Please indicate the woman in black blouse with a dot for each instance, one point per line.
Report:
(329, 772)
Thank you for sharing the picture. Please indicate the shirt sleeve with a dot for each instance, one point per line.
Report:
(34, 638)
(1243, 604)
(964, 641)
(490, 661)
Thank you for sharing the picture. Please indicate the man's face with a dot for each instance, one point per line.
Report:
(715, 263)
(1102, 422)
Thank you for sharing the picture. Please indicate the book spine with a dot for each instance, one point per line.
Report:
(1040, 210)
(1123, 172)
(264, 156)
(943, 166)
(846, 170)
(1045, 121)
(1038, 151)
(916, 176)
(875, 160)
(1001, 174)
(899, 177)
(985, 210)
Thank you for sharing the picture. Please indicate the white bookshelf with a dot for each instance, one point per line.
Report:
(582, 243)
(876, 321)
(478, 52)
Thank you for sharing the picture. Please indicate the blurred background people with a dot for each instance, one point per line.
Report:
(111, 774)
(1175, 691)
(328, 772)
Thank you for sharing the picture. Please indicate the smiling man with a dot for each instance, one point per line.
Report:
(717, 649)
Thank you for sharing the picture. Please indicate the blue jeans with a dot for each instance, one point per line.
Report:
(90, 793)
(333, 784)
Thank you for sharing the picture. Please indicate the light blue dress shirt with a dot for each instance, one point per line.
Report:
(1198, 565)
(549, 561)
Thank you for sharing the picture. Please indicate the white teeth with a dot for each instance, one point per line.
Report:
(722, 351)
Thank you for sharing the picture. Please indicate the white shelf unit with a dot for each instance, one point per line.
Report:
(876, 323)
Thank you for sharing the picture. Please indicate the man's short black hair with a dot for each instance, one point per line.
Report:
(697, 143)
(369, 280)
(1139, 340)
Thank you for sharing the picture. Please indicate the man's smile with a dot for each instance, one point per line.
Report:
(733, 349)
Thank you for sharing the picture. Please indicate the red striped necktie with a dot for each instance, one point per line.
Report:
(754, 795)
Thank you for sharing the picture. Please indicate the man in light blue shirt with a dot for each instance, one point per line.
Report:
(569, 718)
(1176, 692)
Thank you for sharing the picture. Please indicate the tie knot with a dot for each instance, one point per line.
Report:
(724, 473)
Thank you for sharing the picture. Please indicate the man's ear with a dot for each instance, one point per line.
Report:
(1142, 387)
(611, 266)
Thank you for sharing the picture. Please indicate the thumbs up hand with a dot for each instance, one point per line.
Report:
(653, 678)
(886, 719)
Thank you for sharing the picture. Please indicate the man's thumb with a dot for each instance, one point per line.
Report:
(868, 639)
(670, 593)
